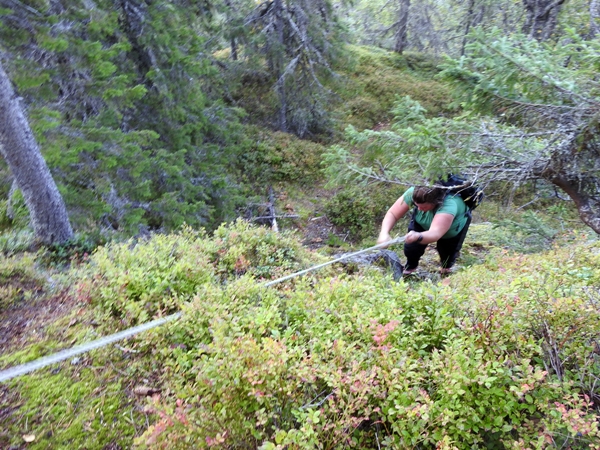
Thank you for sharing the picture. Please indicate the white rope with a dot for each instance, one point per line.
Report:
(77, 350)
(350, 255)
(22, 369)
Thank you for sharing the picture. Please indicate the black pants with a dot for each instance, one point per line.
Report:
(447, 248)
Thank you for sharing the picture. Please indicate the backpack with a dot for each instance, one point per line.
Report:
(471, 194)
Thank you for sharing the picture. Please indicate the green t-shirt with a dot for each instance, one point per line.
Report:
(453, 204)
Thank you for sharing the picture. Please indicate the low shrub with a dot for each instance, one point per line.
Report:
(479, 361)
(242, 248)
(375, 79)
(13, 212)
(503, 355)
(74, 250)
(360, 209)
(138, 280)
(352, 210)
(529, 232)
(16, 241)
(280, 157)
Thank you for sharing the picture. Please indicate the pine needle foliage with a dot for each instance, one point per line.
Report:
(125, 104)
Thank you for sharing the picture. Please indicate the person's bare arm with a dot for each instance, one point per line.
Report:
(393, 215)
(439, 226)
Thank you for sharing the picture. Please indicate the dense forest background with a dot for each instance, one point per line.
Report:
(151, 115)
(146, 144)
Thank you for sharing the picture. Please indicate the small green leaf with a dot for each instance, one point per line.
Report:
(280, 436)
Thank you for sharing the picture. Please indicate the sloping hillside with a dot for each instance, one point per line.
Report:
(501, 354)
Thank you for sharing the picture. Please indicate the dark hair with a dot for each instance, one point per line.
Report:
(432, 195)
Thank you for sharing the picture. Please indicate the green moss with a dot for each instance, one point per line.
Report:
(378, 76)
(360, 209)
(15, 216)
(18, 279)
(32, 352)
(74, 408)
(273, 157)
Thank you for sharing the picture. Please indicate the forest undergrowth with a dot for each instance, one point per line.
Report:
(501, 354)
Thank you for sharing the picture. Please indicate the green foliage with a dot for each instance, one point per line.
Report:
(354, 211)
(334, 241)
(435, 27)
(138, 280)
(298, 59)
(73, 251)
(530, 232)
(17, 241)
(500, 356)
(134, 129)
(359, 210)
(418, 149)
(528, 115)
(131, 124)
(415, 150)
(484, 361)
(537, 73)
(257, 251)
(13, 212)
(276, 390)
(279, 157)
(536, 87)
(375, 78)
(284, 79)
(96, 406)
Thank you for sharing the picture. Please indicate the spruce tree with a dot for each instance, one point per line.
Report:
(125, 101)
(298, 40)
(47, 210)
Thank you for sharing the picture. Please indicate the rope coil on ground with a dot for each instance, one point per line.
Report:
(23, 369)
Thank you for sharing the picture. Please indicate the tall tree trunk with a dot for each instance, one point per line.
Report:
(542, 17)
(564, 170)
(232, 41)
(234, 52)
(18, 146)
(403, 13)
(279, 25)
(132, 20)
(470, 14)
(594, 19)
(587, 206)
